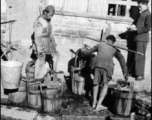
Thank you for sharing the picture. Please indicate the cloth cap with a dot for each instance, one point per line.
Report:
(111, 37)
(49, 8)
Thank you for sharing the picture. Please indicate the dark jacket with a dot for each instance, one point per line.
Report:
(143, 26)
(104, 58)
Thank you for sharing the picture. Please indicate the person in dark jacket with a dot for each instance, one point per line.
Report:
(103, 68)
(142, 28)
(83, 68)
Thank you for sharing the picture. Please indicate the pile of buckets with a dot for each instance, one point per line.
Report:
(48, 99)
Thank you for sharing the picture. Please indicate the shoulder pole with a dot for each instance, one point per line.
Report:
(113, 45)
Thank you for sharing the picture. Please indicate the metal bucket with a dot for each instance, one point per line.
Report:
(20, 95)
(11, 74)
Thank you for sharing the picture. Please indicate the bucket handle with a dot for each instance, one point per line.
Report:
(131, 88)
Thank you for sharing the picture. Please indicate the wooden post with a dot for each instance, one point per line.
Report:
(101, 35)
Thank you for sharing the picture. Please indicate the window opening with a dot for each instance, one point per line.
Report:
(112, 9)
(121, 10)
(116, 10)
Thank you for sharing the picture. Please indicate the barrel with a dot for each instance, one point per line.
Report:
(51, 99)
(11, 74)
(123, 102)
(34, 97)
(79, 83)
(20, 95)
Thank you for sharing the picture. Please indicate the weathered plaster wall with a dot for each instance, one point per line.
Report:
(3, 14)
(66, 31)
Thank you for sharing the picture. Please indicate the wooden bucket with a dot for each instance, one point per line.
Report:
(20, 95)
(123, 101)
(34, 97)
(79, 83)
(51, 99)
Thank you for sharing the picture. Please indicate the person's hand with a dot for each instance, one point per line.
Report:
(92, 76)
(133, 28)
(87, 46)
(51, 71)
(82, 64)
(126, 76)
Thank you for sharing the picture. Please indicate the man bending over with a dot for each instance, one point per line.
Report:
(103, 68)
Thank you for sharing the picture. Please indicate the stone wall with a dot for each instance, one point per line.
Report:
(66, 31)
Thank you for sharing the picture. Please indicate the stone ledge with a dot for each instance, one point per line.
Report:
(17, 113)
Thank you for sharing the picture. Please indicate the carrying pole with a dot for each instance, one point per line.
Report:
(114, 46)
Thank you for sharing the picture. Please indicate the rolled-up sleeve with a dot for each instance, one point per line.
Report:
(122, 62)
(147, 26)
(90, 51)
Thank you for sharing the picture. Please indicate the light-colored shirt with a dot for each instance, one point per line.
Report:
(43, 36)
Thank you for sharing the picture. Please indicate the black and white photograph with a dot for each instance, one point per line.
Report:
(75, 60)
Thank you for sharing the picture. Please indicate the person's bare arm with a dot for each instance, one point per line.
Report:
(53, 39)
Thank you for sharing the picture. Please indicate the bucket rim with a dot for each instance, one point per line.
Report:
(11, 64)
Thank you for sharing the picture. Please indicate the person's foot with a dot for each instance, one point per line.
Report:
(100, 108)
(94, 105)
(140, 78)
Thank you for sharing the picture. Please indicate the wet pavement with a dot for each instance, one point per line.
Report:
(73, 108)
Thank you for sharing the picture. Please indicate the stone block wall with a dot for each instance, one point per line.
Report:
(68, 29)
